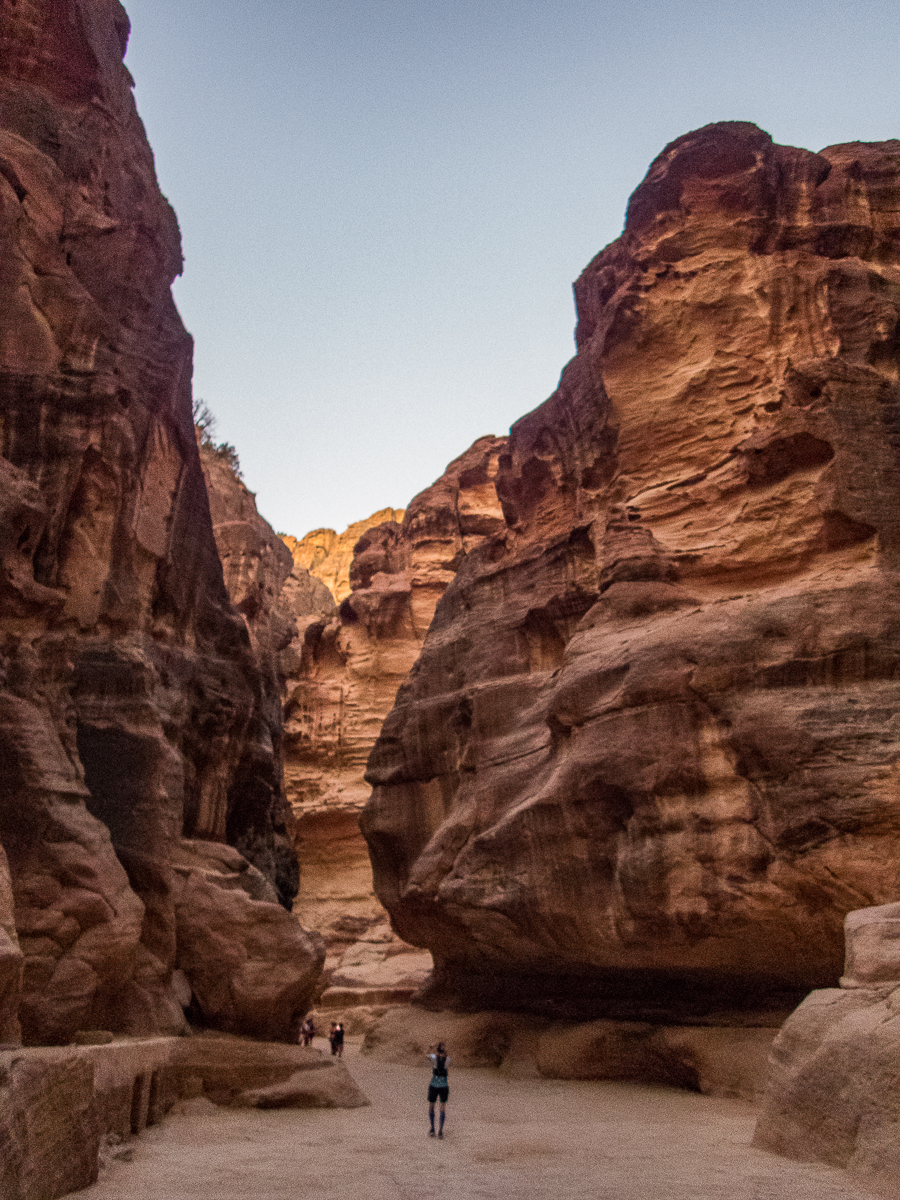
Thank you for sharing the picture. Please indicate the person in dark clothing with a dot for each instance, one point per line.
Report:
(337, 1040)
(439, 1088)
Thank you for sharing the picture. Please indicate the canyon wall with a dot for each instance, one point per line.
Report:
(647, 759)
(142, 817)
(341, 681)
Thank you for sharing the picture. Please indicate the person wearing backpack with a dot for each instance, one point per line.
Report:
(439, 1088)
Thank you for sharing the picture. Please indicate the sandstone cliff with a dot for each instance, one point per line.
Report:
(136, 734)
(831, 1092)
(647, 759)
(327, 555)
(349, 669)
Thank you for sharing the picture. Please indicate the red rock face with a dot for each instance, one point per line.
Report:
(131, 707)
(647, 759)
(343, 684)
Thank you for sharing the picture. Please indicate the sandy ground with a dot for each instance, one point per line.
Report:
(510, 1139)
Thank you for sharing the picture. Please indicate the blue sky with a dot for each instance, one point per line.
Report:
(384, 203)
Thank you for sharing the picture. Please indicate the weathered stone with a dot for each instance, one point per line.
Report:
(63, 1107)
(327, 555)
(257, 568)
(133, 708)
(715, 1061)
(350, 668)
(251, 967)
(832, 1090)
(10, 961)
(49, 1129)
(259, 1075)
(308, 1089)
(645, 763)
(872, 947)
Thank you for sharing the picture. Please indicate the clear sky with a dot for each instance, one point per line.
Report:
(384, 202)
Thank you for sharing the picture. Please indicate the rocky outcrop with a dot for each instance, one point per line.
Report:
(645, 762)
(277, 601)
(716, 1062)
(338, 694)
(66, 1110)
(328, 555)
(133, 713)
(832, 1092)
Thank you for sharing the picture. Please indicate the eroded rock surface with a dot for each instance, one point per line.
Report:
(64, 1111)
(716, 1062)
(132, 709)
(350, 666)
(328, 555)
(832, 1092)
(646, 761)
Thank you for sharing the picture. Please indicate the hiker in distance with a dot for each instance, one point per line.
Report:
(439, 1088)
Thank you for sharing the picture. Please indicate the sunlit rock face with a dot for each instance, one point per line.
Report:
(648, 757)
(132, 711)
(328, 555)
(339, 692)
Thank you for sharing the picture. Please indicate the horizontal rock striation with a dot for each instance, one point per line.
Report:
(646, 761)
(133, 714)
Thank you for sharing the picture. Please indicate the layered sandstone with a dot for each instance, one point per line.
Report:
(350, 666)
(715, 1061)
(646, 760)
(137, 735)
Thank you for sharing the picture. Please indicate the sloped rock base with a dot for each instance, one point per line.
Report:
(717, 1061)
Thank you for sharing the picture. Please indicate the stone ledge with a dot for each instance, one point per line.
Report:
(59, 1104)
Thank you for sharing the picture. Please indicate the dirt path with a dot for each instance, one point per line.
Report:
(515, 1140)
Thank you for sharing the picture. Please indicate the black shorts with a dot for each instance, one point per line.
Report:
(438, 1093)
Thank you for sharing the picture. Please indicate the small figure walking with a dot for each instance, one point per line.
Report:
(308, 1031)
(439, 1088)
(336, 1037)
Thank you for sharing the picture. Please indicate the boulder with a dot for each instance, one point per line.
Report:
(251, 967)
(872, 947)
(135, 707)
(832, 1091)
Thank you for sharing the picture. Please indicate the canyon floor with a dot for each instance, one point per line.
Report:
(529, 1139)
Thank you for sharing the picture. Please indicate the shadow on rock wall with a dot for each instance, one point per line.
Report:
(133, 712)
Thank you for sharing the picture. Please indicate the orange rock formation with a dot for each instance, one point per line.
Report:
(647, 759)
(137, 734)
(338, 694)
(328, 555)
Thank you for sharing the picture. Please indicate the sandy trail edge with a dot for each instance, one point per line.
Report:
(510, 1139)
